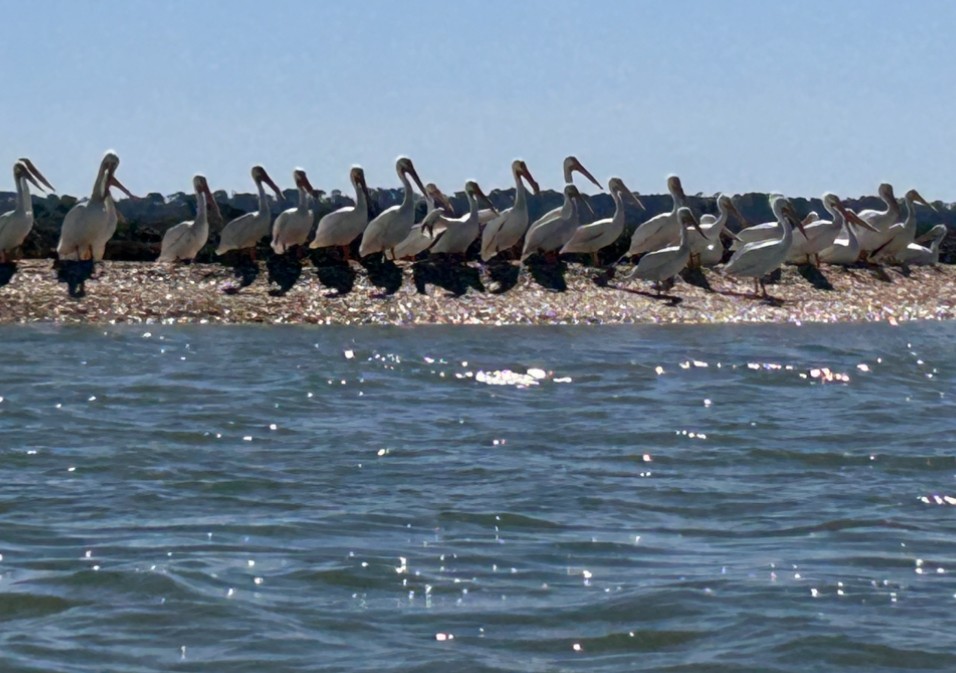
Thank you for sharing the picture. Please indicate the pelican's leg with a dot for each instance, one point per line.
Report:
(595, 262)
(758, 282)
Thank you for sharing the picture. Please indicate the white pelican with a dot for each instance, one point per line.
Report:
(292, 226)
(602, 233)
(918, 255)
(706, 249)
(548, 235)
(393, 224)
(426, 232)
(505, 230)
(245, 231)
(661, 230)
(758, 258)
(819, 235)
(462, 231)
(845, 249)
(659, 265)
(183, 242)
(881, 219)
(16, 224)
(571, 166)
(901, 234)
(88, 225)
(341, 227)
(766, 230)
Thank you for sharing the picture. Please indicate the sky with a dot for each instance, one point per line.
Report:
(800, 97)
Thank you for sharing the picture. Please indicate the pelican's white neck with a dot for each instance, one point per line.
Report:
(201, 212)
(303, 199)
(24, 204)
(263, 199)
(361, 203)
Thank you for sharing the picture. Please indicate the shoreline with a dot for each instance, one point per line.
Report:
(146, 293)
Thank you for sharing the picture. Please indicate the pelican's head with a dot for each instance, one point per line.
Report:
(302, 181)
(472, 188)
(727, 204)
(675, 188)
(21, 172)
(687, 219)
(438, 196)
(885, 191)
(914, 196)
(519, 169)
(109, 164)
(617, 186)
(572, 165)
(404, 166)
(572, 193)
(357, 176)
(35, 172)
(259, 175)
(110, 160)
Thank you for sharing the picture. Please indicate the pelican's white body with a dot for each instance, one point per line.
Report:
(601, 233)
(15, 225)
(247, 230)
(292, 226)
(918, 255)
(548, 234)
(184, 241)
(503, 231)
(344, 225)
(659, 265)
(460, 232)
(661, 230)
(758, 258)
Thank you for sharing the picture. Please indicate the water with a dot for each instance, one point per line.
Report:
(301, 499)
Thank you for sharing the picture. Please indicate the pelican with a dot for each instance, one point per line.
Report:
(819, 235)
(183, 242)
(88, 225)
(461, 232)
(341, 227)
(548, 235)
(706, 249)
(661, 230)
(766, 230)
(758, 258)
(602, 233)
(393, 224)
(571, 166)
(901, 234)
(16, 224)
(505, 230)
(245, 231)
(918, 255)
(881, 219)
(426, 232)
(845, 249)
(292, 226)
(659, 265)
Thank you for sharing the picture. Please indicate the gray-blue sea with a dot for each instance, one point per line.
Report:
(266, 499)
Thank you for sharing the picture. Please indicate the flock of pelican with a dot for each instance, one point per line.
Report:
(665, 244)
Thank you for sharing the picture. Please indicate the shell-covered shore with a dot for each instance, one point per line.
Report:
(147, 293)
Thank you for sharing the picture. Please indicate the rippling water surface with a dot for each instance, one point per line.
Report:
(770, 498)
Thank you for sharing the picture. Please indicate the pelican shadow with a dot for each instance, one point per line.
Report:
(333, 270)
(670, 300)
(454, 276)
(284, 270)
(383, 273)
(244, 269)
(504, 274)
(815, 277)
(7, 271)
(547, 274)
(695, 276)
(74, 273)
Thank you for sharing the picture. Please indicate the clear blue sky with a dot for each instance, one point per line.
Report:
(744, 95)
